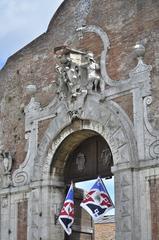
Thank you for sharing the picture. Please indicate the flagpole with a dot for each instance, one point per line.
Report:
(107, 192)
(97, 201)
(66, 216)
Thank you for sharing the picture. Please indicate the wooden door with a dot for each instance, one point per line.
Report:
(92, 158)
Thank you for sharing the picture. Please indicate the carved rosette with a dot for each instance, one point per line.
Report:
(154, 149)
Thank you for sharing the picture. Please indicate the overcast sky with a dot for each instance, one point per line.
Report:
(21, 21)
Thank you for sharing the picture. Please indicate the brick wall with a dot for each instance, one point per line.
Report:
(105, 231)
(22, 220)
(154, 199)
(125, 22)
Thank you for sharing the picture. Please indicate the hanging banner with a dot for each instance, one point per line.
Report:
(66, 217)
(97, 201)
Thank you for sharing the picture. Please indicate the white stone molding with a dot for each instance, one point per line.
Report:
(134, 146)
(151, 130)
(22, 175)
(60, 112)
(35, 211)
(107, 119)
(138, 83)
(151, 134)
(9, 214)
(34, 114)
(140, 68)
(81, 12)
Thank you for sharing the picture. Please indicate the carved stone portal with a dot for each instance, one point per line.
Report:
(85, 91)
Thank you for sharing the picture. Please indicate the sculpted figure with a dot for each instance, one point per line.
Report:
(7, 162)
(92, 69)
(68, 74)
(77, 72)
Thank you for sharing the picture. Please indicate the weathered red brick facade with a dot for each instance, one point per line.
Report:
(105, 231)
(154, 196)
(126, 23)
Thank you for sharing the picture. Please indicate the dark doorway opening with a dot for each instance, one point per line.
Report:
(89, 159)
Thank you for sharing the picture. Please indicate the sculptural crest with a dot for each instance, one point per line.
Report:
(78, 72)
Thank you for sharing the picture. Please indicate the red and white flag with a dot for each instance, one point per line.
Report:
(97, 201)
(66, 217)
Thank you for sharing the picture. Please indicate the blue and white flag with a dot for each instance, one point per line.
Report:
(97, 201)
(66, 217)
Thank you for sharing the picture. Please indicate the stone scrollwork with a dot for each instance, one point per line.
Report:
(106, 45)
(106, 157)
(154, 149)
(134, 75)
(20, 178)
(148, 102)
(151, 134)
(23, 174)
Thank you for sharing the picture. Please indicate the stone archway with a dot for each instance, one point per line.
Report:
(65, 165)
(92, 114)
(108, 120)
(105, 118)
